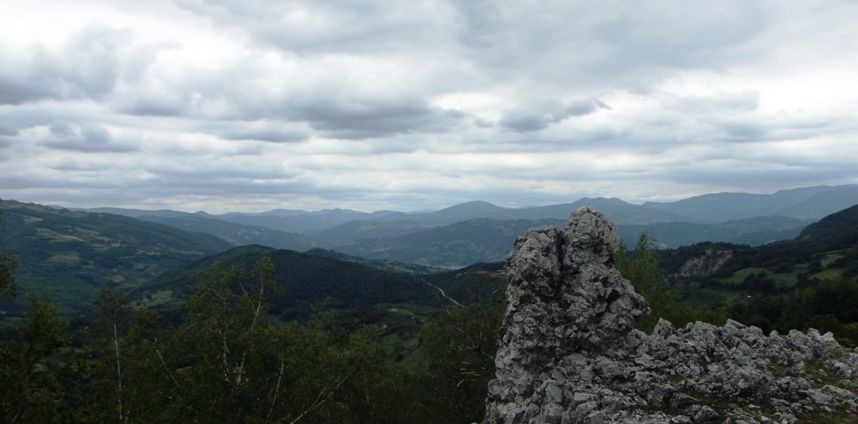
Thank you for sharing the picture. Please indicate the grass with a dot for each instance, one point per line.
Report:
(828, 259)
(782, 280)
(830, 274)
(161, 297)
(712, 297)
(839, 417)
(68, 259)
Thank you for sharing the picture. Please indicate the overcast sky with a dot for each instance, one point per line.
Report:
(239, 105)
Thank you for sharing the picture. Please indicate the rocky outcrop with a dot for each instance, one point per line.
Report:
(568, 352)
(710, 262)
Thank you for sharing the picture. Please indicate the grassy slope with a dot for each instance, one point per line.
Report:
(823, 257)
(73, 254)
(237, 234)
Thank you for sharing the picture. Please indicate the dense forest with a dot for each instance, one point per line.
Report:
(230, 345)
(229, 361)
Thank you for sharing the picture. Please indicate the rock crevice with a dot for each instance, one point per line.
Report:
(568, 351)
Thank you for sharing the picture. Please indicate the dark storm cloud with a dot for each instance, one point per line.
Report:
(7, 129)
(540, 115)
(83, 138)
(345, 114)
(744, 131)
(153, 105)
(16, 90)
(271, 133)
(85, 66)
(366, 120)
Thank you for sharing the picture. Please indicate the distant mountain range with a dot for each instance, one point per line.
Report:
(157, 253)
(237, 234)
(489, 240)
(752, 231)
(809, 203)
(450, 246)
(479, 231)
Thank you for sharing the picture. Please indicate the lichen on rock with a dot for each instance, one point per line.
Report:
(568, 351)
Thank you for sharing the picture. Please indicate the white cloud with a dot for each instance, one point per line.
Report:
(221, 104)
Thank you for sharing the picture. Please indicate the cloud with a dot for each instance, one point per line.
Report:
(308, 27)
(85, 66)
(152, 104)
(7, 129)
(83, 138)
(269, 132)
(479, 23)
(538, 116)
(716, 103)
(365, 120)
(218, 104)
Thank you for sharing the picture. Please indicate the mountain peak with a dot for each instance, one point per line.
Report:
(467, 210)
(473, 204)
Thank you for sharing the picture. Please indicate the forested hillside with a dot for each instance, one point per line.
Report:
(255, 334)
(73, 254)
(811, 280)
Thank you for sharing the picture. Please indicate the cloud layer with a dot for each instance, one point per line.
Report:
(235, 105)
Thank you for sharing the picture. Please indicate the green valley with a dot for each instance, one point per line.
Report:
(74, 254)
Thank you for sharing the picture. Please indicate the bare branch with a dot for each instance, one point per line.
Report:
(322, 398)
(175, 381)
(276, 389)
(122, 417)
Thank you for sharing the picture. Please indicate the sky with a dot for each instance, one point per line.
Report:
(237, 105)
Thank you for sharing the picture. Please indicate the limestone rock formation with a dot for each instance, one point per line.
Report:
(568, 352)
(710, 262)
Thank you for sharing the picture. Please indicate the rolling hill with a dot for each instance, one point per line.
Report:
(73, 253)
(489, 240)
(308, 281)
(392, 226)
(342, 227)
(450, 246)
(807, 203)
(236, 234)
(835, 231)
(751, 231)
(811, 280)
(301, 221)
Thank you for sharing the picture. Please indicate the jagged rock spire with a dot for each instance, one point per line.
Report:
(564, 296)
(568, 352)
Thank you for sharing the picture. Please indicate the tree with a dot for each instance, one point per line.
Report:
(128, 375)
(642, 269)
(460, 346)
(7, 281)
(28, 388)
